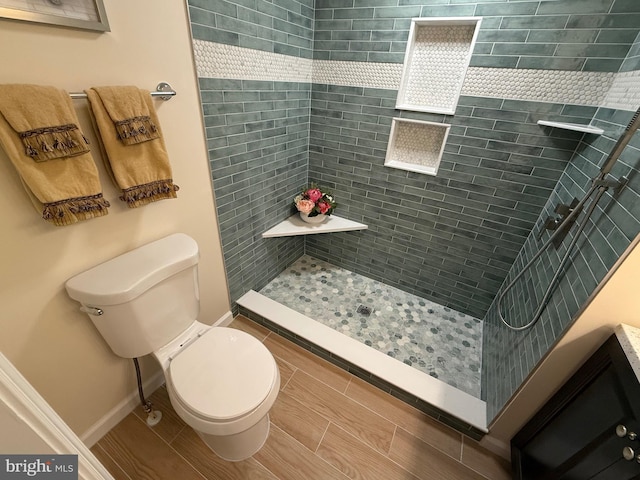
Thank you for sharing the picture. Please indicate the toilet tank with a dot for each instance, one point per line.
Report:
(142, 299)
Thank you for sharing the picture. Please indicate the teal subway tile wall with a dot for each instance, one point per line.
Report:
(450, 238)
(258, 136)
(303, 91)
(509, 356)
(592, 35)
(285, 27)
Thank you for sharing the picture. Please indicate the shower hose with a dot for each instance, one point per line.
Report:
(599, 185)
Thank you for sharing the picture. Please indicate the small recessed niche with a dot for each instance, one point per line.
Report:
(435, 63)
(416, 145)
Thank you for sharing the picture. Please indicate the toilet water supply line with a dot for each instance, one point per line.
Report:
(600, 185)
(153, 416)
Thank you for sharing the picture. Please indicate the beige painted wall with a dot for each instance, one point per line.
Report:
(617, 301)
(41, 330)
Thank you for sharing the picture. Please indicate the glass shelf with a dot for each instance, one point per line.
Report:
(576, 127)
(295, 226)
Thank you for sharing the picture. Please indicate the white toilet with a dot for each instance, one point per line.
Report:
(221, 381)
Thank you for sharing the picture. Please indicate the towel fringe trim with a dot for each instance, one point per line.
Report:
(149, 192)
(136, 130)
(72, 210)
(48, 143)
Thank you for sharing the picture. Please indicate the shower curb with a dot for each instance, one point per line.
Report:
(459, 410)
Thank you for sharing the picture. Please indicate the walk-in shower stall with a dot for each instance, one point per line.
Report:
(459, 136)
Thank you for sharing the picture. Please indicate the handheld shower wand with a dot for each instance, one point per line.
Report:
(622, 142)
(599, 184)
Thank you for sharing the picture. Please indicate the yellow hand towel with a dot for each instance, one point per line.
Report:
(136, 156)
(129, 111)
(40, 134)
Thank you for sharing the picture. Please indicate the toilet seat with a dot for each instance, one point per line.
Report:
(223, 375)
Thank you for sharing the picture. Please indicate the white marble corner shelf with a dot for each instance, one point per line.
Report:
(576, 127)
(296, 226)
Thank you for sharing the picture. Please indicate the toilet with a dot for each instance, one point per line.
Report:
(221, 381)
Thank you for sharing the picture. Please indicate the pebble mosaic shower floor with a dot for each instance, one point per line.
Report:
(437, 340)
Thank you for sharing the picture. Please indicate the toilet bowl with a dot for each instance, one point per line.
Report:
(228, 408)
(221, 381)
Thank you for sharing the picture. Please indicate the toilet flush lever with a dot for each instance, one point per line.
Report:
(95, 311)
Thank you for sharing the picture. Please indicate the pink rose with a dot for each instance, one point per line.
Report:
(305, 206)
(323, 206)
(314, 194)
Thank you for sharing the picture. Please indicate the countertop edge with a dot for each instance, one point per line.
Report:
(629, 339)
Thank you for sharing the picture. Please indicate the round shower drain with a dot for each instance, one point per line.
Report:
(364, 310)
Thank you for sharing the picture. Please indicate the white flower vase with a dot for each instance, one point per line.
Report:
(315, 219)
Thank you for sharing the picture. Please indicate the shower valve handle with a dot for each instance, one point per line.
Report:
(563, 210)
(549, 224)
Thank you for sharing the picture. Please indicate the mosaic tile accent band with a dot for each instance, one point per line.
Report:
(624, 93)
(434, 339)
(216, 60)
(621, 90)
(357, 74)
(554, 86)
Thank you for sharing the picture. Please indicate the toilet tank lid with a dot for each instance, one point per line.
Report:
(127, 276)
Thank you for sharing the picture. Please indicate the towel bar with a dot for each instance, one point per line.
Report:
(163, 91)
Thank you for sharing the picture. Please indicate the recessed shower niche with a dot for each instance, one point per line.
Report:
(435, 63)
(416, 145)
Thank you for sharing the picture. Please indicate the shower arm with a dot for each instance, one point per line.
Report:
(599, 183)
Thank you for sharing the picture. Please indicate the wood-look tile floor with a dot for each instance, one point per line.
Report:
(326, 424)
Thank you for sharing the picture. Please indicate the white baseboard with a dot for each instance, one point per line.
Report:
(224, 320)
(117, 413)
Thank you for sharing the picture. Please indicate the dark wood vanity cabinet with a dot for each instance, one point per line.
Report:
(589, 429)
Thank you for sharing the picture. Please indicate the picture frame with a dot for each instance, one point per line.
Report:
(82, 14)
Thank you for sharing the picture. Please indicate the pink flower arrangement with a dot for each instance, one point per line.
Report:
(313, 201)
